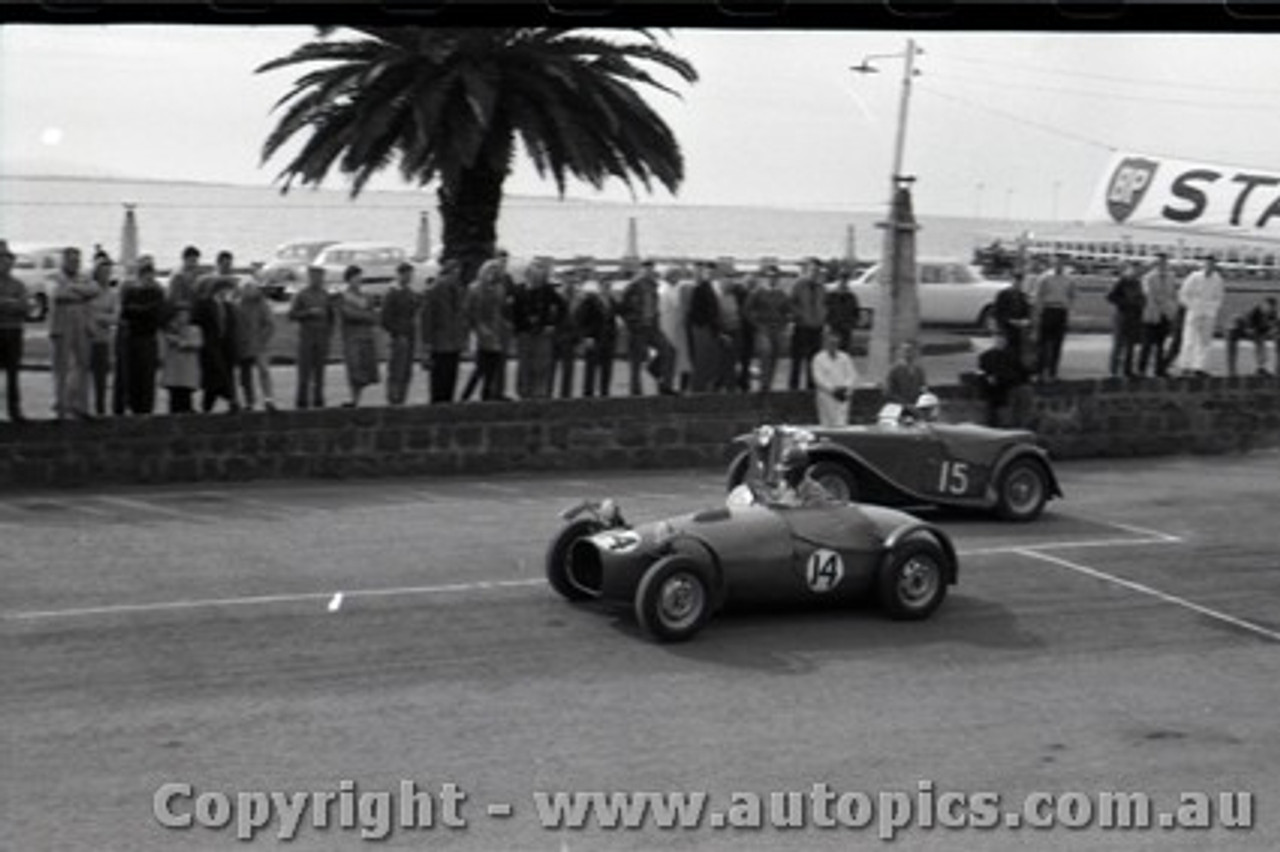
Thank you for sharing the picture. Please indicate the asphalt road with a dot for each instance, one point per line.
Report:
(1129, 640)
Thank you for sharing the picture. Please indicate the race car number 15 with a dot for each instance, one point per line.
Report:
(824, 570)
(953, 477)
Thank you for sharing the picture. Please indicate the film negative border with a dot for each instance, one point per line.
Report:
(1000, 15)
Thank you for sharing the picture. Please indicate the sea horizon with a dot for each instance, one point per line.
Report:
(252, 220)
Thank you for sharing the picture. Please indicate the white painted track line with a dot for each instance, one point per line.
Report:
(1155, 593)
(259, 600)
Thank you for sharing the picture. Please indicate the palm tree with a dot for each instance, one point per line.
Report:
(448, 106)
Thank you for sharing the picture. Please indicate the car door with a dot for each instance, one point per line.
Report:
(946, 291)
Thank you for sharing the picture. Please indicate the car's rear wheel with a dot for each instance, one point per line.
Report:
(1023, 490)
(558, 557)
(837, 479)
(673, 600)
(913, 582)
(39, 308)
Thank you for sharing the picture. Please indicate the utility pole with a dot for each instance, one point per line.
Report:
(897, 314)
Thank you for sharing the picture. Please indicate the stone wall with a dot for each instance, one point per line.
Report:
(1075, 419)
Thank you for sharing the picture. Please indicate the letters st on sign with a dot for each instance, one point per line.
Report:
(1147, 191)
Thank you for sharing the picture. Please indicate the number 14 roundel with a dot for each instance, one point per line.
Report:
(824, 570)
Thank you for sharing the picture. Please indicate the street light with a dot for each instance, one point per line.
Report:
(908, 71)
(897, 316)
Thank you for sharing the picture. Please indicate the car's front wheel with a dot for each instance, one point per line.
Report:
(913, 581)
(836, 479)
(673, 600)
(1023, 491)
(558, 557)
(39, 308)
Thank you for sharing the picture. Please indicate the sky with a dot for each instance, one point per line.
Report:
(998, 125)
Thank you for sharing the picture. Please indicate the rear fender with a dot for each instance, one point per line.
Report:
(924, 530)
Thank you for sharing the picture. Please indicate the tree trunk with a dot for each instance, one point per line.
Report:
(469, 208)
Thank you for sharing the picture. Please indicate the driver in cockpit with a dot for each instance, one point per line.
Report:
(794, 486)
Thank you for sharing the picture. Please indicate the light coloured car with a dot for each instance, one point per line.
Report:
(35, 264)
(287, 269)
(377, 261)
(951, 293)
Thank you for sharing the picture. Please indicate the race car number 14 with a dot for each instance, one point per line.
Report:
(824, 570)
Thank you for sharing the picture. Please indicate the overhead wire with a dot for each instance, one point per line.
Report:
(1111, 78)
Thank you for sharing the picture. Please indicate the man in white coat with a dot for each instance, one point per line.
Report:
(834, 378)
(1201, 294)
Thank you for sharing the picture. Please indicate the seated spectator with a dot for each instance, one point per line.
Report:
(1260, 325)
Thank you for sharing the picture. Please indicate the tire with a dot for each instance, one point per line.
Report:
(558, 557)
(838, 480)
(913, 582)
(987, 321)
(39, 308)
(673, 600)
(1023, 490)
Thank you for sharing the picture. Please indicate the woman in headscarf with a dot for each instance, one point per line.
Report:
(359, 317)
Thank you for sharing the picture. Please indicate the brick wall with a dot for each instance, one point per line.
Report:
(1075, 419)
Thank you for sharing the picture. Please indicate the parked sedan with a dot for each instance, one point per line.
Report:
(286, 271)
(951, 293)
(377, 260)
(34, 265)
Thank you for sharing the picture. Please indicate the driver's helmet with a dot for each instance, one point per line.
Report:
(793, 464)
(927, 406)
(890, 414)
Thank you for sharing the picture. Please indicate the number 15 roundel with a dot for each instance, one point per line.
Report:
(824, 570)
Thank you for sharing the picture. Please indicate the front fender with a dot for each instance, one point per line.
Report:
(1015, 452)
(907, 531)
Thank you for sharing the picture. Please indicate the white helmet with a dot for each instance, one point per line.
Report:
(890, 414)
(927, 406)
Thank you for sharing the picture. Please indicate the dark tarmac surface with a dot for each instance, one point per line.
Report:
(1129, 640)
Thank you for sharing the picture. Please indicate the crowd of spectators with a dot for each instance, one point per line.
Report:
(205, 338)
(1160, 322)
(699, 327)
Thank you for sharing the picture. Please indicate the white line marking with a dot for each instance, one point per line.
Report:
(258, 600)
(1156, 593)
(140, 506)
(1060, 545)
(336, 603)
(1135, 529)
(461, 588)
